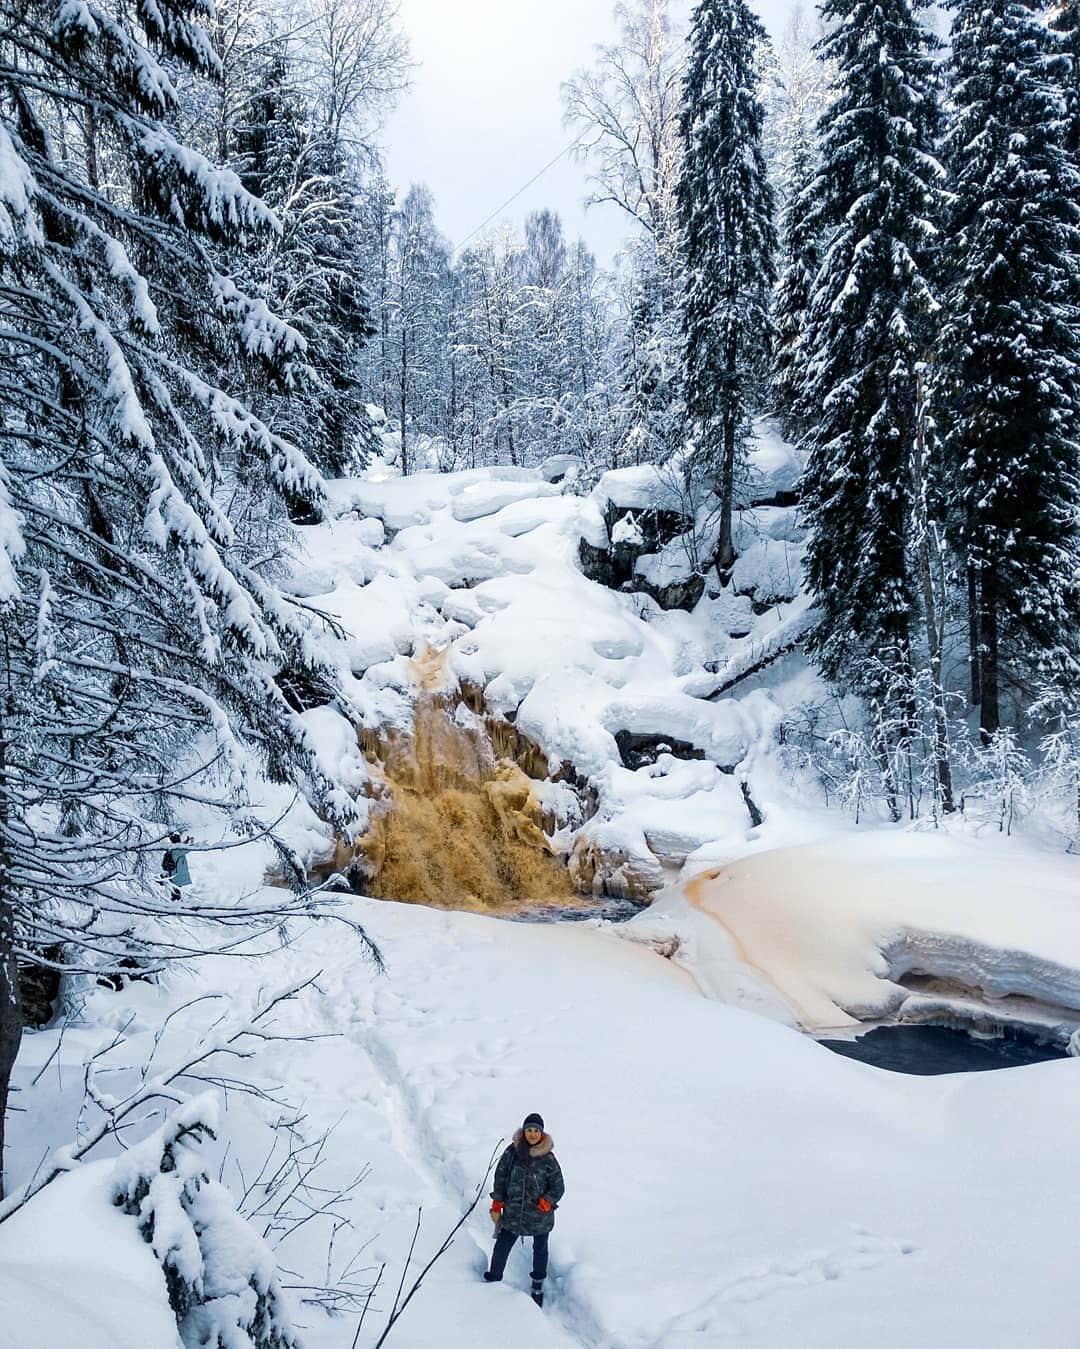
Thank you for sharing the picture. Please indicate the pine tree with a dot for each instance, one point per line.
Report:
(871, 321)
(139, 619)
(419, 294)
(1065, 22)
(647, 359)
(1007, 378)
(728, 242)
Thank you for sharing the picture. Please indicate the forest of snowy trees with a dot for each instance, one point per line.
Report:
(212, 300)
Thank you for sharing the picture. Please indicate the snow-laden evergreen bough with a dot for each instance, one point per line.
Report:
(138, 621)
(280, 144)
(221, 1276)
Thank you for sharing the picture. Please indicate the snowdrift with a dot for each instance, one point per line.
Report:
(864, 926)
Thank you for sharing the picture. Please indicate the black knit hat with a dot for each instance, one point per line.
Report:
(533, 1121)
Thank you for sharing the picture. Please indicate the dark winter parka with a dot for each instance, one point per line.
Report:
(523, 1177)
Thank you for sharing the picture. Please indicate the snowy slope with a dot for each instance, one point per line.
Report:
(727, 1178)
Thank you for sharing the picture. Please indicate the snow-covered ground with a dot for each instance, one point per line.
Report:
(728, 1179)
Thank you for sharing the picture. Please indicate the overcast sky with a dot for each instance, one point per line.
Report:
(484, 113)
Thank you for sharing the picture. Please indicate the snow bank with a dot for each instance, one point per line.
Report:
(836, 927)
(75, 1271)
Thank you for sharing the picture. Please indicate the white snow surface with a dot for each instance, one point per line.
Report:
(75, 1271)
(729, 1181)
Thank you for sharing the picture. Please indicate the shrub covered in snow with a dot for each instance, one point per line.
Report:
(220, 1274)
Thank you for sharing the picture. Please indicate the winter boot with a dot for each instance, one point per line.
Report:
(492, 1278)
(538, 1292)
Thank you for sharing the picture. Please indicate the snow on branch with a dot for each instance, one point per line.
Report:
(12, 543)
(19, 226)
(79, 23)
(200, 1065)
(290, 469)
(127, 410)
(221, 1276)
(181, 35)
(262, 333)
(187, 188)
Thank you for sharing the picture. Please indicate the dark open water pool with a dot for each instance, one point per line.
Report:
(613, 910)
(940, 1049)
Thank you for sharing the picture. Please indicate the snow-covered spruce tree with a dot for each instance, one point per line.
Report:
(419, 298)
(377, 209)
(798, 89)
(585, 416)
(561, 343)
(546, 347)
(489, 341)
(800, 259)
(136, 618)
(1007, 373)
(871, 322)
(728, 240)
(648, 421)
(311, 271)
(1065, 23)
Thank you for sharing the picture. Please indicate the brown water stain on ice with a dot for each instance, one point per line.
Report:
(702, 888)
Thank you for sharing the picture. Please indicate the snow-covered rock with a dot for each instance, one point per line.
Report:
(486, 498)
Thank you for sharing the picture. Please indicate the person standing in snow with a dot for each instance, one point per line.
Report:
(174, 864)
(527, 1189)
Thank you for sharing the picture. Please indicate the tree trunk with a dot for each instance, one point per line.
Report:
(933, 633)
(989, 708)
(404, 391)
(90, 130)
(10, 1000)
(10, 1017)
(453, 412)
(886, 768)
(725, 551)
(974, 636)
(937, 692)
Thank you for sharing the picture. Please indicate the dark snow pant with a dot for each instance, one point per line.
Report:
(504, 1244)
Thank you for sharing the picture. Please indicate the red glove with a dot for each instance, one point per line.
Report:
(543, 1205)
(496, 1210)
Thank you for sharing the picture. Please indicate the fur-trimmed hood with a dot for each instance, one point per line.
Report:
(541, 1149)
